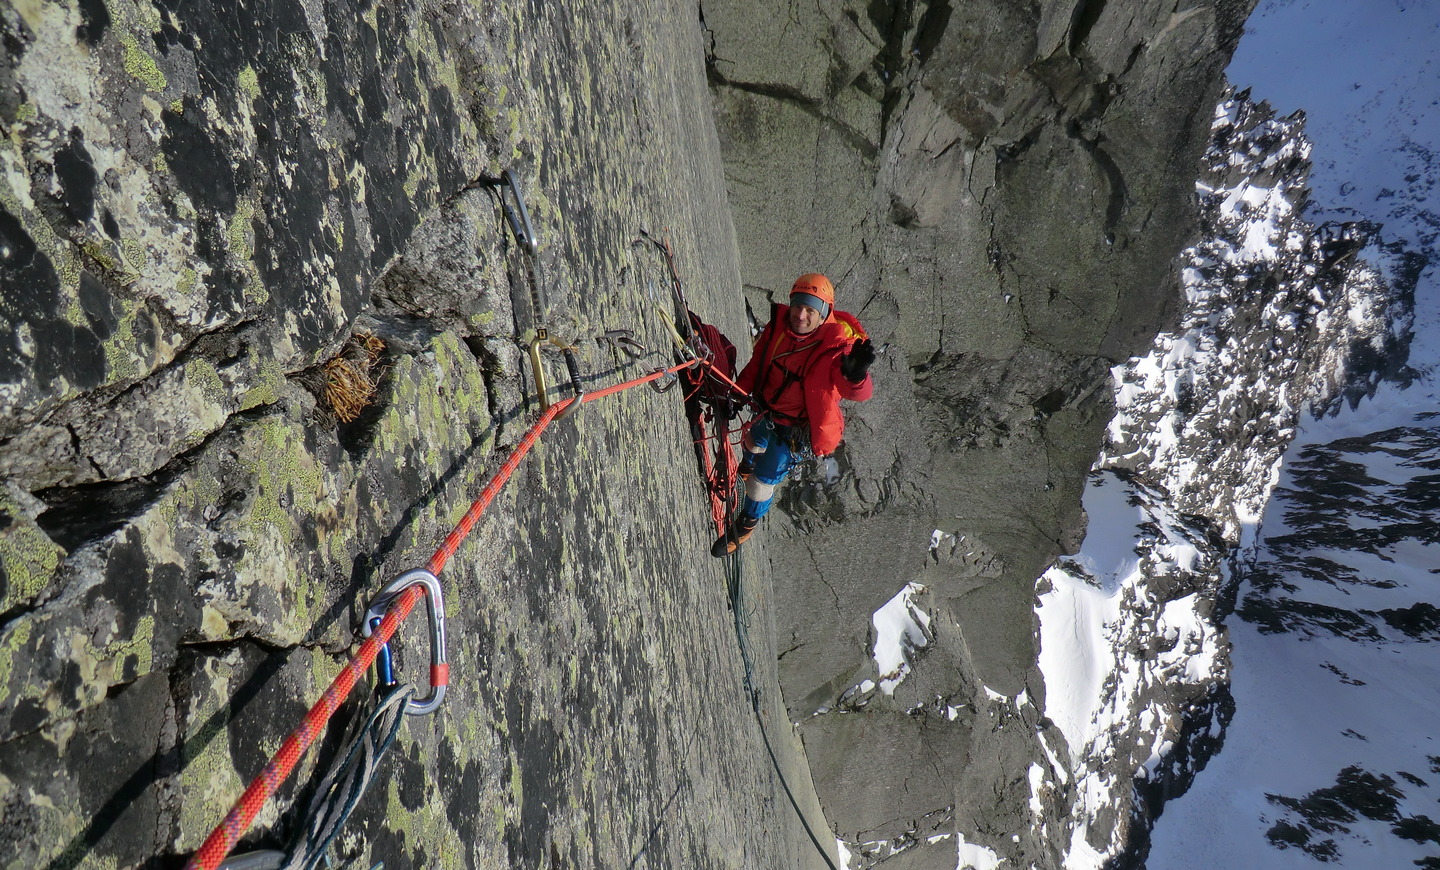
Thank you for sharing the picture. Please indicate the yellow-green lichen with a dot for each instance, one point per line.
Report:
(201, 373)
(29, 557)
(198, 492)
(186, 281)
(121, 354)
(249, 82)
(207, 775)
(147, 17)
(517, 786)
(67, 265)
(139, 644)
(283, 469)
(255, 291)
(286, 483)
(14, 644)
(142, 66)
(307, 71)
(421, 170)
(132, 252)
(238, 233)
(26, 112)
(266, 391)
(322, 670)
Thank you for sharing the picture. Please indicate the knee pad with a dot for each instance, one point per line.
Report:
(757, 490)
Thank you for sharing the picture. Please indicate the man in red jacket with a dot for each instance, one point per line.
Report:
(805, 361)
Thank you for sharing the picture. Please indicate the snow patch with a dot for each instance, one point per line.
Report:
(901, 628)
(974, 857)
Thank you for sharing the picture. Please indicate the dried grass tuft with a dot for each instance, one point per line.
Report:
(351, 377)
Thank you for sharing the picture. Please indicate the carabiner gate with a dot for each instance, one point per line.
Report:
(519, 223)
(435, 603)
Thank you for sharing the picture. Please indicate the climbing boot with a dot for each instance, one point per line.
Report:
(747, 466)
(738, 533)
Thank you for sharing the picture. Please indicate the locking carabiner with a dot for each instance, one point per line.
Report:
(435, 602)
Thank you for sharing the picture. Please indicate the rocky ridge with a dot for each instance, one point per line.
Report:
(1282, 319)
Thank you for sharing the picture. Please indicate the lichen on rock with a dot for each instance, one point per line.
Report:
(202, 205)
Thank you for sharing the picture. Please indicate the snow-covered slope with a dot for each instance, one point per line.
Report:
(1290, 310)
(1332, 754)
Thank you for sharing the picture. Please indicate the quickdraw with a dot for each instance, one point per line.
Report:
(572, 367)
(518, 217)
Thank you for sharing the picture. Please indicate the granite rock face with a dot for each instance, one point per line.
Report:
(261, 343)
(1000, 191)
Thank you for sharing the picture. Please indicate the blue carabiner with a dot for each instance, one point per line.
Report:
(384, 662)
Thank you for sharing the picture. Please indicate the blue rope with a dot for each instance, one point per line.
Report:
(346, 782)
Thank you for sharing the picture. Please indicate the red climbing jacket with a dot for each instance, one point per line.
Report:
(802, 379)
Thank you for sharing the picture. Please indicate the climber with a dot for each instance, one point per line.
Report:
(805, 361)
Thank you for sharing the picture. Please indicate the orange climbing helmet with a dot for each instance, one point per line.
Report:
(818, 289)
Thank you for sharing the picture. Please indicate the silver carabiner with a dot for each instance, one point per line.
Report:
(663, 383)
(435, 603)
(519, 224)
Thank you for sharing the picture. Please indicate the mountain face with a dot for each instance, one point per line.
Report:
(1001, 192)
(1283, 318)
(1331, 644)
(263, 331)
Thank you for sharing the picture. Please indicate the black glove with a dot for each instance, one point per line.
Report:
(856, 363)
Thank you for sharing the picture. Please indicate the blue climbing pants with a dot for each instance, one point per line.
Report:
(778, 455)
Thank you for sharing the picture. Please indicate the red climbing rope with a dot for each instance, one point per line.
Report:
(462, 529)
(237, 821)
(221, 840)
